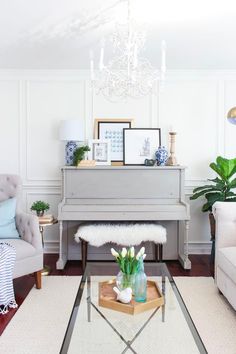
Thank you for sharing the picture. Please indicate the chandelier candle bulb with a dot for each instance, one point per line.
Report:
(163, 56)
(101, 65)
(91, 65)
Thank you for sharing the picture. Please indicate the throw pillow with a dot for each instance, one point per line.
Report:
(7, 219)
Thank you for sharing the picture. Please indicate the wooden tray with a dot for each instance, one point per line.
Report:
(107, 298)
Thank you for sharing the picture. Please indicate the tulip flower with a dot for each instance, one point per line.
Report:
(132, 252)
(124, 252)
(114, 253)
(144, 256)
(138, 255)
(142, 251)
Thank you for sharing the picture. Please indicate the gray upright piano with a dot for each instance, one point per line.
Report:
(122, 193)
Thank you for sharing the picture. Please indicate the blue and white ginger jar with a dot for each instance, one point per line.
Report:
(161, 156)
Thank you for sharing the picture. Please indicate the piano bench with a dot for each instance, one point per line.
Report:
(125, 234)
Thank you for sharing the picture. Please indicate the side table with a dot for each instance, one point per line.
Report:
(42, 225)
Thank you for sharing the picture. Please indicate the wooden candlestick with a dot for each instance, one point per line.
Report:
(172, 161)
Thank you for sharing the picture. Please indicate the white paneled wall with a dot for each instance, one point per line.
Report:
(32, 103)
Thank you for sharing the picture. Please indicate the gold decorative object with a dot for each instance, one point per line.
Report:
(172, 161)
(231, 116)
(107, 298)
(86, 163)
(43, 222)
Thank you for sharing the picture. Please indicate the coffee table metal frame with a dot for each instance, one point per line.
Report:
(162, 271)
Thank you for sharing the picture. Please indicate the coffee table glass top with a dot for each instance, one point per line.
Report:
(94, 329)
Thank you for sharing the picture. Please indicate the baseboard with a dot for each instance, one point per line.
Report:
(199, 247)
(194, 247)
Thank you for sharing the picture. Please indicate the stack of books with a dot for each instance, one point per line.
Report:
(48, 218)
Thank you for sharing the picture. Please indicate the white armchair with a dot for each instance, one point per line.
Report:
(225, 256)
(29, 251)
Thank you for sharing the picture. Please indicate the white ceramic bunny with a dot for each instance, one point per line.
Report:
(123, 296)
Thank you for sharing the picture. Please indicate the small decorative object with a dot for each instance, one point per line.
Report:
(87, 163)
(40, 207)
(140, 144)
(172, 159)
(123, 296)
(79, 154)
(161, 156)
(71, 131)
(149, 162)
(231, 116)
(100, 151)
(112, 129)
(140, 290)
(128, 264)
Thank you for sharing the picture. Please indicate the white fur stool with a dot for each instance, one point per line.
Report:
(125, 234)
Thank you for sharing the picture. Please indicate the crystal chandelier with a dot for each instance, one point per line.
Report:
(127, 74)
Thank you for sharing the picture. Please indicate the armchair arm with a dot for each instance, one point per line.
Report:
(225, 216)
(28, 228)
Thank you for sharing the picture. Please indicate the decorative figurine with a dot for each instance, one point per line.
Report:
(123, 296)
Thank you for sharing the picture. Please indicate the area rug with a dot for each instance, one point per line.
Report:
(39, 325)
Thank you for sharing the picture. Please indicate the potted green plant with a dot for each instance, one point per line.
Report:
(79, 154)
(40, 207)
(219, 190)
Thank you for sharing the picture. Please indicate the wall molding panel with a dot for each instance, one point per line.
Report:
(34, 102)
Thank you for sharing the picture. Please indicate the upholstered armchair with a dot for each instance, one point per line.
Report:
(225, 255)
(29, 251)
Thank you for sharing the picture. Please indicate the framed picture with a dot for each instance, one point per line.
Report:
(140, 144)
(100, 151)
(112, 129)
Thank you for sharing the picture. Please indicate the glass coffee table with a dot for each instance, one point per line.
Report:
(93, 329)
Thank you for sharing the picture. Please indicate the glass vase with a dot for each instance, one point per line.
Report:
(124, 281)
(140, 291)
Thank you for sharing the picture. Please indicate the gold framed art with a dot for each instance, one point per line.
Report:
(112, 129)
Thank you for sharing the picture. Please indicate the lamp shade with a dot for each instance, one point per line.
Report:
(71, 130)
(232, 115)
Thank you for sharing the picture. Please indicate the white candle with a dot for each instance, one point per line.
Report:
(135, 57)
(163, 56)
(172, 129)
(101, 61)
(91, 65)
(101, 65)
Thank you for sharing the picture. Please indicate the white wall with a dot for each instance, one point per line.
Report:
(33, 102)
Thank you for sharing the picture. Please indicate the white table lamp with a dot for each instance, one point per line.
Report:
(71, 131)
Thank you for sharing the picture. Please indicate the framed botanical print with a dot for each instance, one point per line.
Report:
(140, 144)
(112, 129)
(100, 151)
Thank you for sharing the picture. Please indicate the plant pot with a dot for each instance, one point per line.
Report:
(40, 212)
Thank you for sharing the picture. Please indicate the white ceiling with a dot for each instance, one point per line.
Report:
(58, 34)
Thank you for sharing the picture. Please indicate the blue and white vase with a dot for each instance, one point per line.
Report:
(70, 148)
(161, 156)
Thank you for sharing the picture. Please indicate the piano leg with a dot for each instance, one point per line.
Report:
(62, 253)
(183, 245)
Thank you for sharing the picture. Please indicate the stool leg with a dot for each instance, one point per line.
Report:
(160, 252)
(84, 251)
(156, 252)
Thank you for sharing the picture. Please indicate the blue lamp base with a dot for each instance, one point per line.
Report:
(69, 150)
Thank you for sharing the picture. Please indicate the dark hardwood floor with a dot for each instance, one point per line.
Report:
(201, 266)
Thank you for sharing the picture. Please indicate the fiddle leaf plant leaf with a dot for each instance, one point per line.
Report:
(221, 190)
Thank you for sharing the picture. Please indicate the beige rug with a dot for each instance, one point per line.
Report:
(40, 323)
